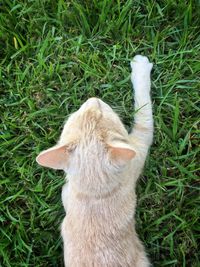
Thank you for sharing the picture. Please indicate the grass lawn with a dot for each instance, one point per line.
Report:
(56, 54)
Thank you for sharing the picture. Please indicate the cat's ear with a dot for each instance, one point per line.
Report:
(56, 157)
(121, 153)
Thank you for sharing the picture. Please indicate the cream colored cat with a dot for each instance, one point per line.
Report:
(103, 162)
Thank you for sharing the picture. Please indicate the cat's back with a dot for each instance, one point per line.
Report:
(99, 231)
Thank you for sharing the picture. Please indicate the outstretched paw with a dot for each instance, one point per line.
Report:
(141, 62)
(141, 69)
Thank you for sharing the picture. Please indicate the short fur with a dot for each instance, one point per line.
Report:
(103, 163)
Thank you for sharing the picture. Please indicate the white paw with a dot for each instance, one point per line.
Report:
(141, 64)
(141, 70)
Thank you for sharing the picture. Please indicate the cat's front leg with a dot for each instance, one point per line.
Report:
(65, 195)
(140, 77)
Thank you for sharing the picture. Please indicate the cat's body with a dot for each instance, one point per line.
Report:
(103, 164)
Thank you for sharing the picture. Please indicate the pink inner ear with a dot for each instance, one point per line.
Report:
(55, 158)
(124, 154)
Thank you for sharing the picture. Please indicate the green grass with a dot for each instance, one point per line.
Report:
(56, 54)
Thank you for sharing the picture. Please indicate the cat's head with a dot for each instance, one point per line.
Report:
(93, 135)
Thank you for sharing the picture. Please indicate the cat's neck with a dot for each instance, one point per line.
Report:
(83, 195)
(97, 186)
